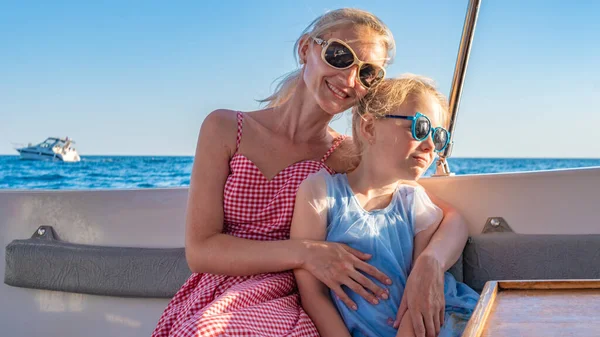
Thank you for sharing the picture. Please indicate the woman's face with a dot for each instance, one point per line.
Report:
(337, 90)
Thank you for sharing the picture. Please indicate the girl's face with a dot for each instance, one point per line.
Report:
(336, 90)
(393, 145)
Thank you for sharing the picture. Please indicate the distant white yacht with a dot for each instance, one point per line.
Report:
(51, 149)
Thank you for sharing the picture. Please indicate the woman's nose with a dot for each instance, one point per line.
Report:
(350, 75)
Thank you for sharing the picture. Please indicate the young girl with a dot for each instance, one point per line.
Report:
(379, 209)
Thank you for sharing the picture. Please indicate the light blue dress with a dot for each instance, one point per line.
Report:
(388, 235)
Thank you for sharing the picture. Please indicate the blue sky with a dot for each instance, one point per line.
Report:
(138, 77)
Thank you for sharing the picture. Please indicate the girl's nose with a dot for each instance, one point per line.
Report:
(427, 144)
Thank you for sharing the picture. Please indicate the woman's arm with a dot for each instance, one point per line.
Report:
(208, 250)
(427, 275)
(310, 222)
(422, 240)
(448, 242)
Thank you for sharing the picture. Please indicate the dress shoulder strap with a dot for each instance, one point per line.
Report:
(336, 142)
(240, 125)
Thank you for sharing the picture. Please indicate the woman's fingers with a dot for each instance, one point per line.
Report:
(401, 311)
(436, 323)
(361, 291)
(370, 285)
(369, 269)
(418, 325)
(430, 326)
(338, 264)
(344, 297)
(357, 253)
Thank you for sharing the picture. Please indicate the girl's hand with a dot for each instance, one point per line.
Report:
(337, 264)
(424, 298)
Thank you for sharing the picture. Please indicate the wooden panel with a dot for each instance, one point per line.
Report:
(549, 284)
(537, 308)
(484, 306)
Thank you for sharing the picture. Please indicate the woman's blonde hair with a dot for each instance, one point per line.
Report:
(320, 26)
(390, 94)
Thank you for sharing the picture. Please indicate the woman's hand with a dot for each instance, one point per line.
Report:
(337, 264)
(424, 297)
(406, 327)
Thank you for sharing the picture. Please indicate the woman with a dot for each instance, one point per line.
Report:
(246, 172)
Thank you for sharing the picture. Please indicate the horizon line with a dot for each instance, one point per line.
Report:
(192, 156)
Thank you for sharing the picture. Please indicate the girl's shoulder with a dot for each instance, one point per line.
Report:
(314, 190)
(322, 185)
(407, 193)
(416, 201)
(409, 188)
(315, 184)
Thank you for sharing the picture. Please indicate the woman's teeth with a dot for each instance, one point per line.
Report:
(336, 91)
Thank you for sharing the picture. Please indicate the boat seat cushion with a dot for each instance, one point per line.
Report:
(52, 264)
(509, 256)
(97, 270)
(159, 272)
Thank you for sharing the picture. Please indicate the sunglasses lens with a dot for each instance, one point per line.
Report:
(338, 55)
(440, 139)
(422, 128)
(341, 57)
(370, 75)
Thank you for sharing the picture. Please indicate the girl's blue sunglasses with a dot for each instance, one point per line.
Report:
(421, 128)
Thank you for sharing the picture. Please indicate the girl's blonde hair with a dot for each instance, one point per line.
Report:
(390, 94)
(320, 26)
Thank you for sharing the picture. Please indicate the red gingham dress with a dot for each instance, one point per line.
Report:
(258, 305)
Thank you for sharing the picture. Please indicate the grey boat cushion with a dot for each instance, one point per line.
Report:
(43, 262)
(47, 263)
(509, 256)
(113, 271)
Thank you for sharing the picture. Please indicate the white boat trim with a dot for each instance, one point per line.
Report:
(532, 202)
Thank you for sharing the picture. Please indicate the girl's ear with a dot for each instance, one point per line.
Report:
(367, 128)
(303, 47)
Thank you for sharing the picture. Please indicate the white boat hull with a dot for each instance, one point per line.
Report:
(529, 202)
(52, 149)
(68, 157)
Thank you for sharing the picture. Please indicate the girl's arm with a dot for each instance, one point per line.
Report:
(422, 239)
(209, 250)
(310, 222)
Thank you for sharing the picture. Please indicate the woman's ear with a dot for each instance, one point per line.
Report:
(303, 47)
(367, 128)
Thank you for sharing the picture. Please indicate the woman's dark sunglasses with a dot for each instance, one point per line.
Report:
(339, 55)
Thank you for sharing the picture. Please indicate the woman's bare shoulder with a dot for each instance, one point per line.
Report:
(221, 118)
(219, 128)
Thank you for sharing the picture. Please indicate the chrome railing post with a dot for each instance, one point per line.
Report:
(460, 70)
